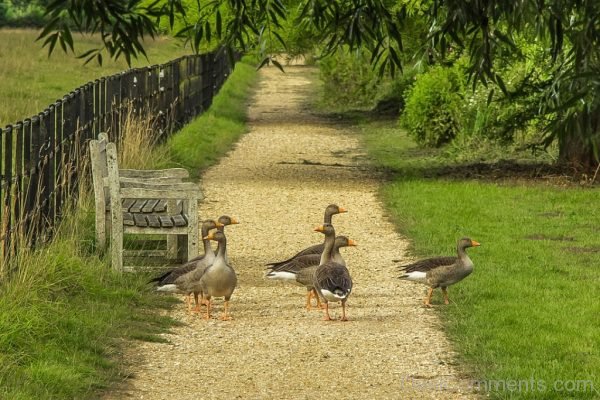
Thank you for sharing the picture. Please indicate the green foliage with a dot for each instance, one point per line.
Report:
(433, 105)
(22, 14)
(348, 80)
(538, 246)
(204, 140)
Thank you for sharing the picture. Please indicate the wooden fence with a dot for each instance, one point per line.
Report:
(41, 157)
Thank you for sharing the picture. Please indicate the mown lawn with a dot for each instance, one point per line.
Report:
(526, 323)
(30, 80)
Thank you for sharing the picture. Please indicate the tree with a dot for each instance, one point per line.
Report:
(484, 28)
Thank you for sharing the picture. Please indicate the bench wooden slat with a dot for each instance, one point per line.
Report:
(153, 220)
(161, 206)
(127, 203)
(150, 204)
(140, 220)
(166, 221)
(179, 220)
(128, 219)
(138, 205)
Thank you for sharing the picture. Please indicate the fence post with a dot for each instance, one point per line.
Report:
(6, 205)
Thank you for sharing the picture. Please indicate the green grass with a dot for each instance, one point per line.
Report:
(30, 81)
(203, 141)
(63, 315)
(530, 310)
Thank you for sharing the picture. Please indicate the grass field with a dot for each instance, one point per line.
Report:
(526, 322)
(30, 81)
(65, 315)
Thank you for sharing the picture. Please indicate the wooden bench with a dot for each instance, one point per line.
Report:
(155, 202)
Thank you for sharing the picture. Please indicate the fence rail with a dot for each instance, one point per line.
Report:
(41, 156)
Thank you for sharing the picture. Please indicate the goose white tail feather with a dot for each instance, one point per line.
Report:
(416, 276)
(282, 276)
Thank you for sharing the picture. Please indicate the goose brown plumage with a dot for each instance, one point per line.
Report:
(219, 279)
(185, 279)
(330, 211)
(441, 271)
(331, 280)
(300, 270)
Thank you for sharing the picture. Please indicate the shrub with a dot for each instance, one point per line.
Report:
(348, 80)
(433, 106)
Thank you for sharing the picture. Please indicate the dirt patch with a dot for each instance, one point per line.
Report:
(391, 348)
(539, 236)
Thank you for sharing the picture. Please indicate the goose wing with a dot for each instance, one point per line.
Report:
(428, 264)
(315, 249)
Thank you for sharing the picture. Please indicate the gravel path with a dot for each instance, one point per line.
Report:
(277, 182)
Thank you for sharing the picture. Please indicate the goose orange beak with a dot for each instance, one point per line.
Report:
(474, 243)
(218, 224)
(352, 242)
(210, 236)
(319, 228)
(234, 221)
(342, 209)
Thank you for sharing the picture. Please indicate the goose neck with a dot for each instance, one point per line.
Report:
(328, 248)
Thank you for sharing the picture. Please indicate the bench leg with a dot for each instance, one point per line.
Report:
(117, 249)
(172, 247)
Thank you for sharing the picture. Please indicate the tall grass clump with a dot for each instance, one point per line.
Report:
(204, 140)
(138, 145)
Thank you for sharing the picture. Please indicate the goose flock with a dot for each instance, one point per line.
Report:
(320, 268)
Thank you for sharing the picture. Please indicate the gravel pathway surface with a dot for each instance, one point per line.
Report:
(277, 182)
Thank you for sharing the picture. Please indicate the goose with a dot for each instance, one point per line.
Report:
(331, 280)
(300, 270)
(185, 279)
(441, 271)
(219, 279)
(226, 220)
(330, 211)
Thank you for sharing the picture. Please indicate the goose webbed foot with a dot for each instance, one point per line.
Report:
(225, 316)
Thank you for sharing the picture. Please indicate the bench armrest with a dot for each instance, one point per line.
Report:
(172, 173)
(181, 190)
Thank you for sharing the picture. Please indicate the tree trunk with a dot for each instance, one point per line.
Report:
(582, 151)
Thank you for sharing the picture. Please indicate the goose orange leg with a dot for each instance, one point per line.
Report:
(224, 316)
(427, 300)
(319, 304)
(188, 303)
(327, 317)
(207, 304)
(197, 307)
(445, 291)
(344, 311)
(308, 298)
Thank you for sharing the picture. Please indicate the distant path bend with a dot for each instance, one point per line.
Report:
(277, 182)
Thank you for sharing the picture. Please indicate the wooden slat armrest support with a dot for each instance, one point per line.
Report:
(183, 190)
(150, 180)
(176, 173)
